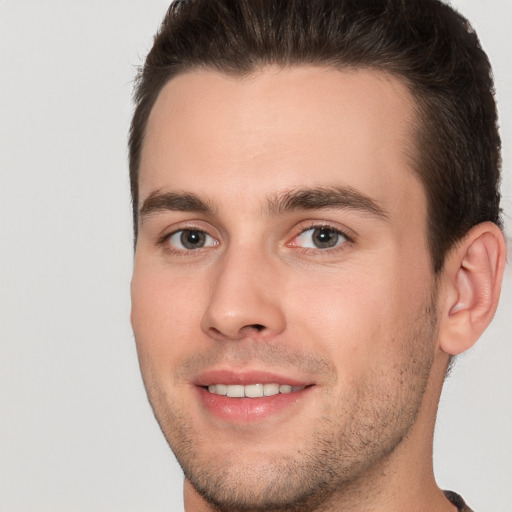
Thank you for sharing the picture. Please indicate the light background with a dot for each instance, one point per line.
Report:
(76, 431)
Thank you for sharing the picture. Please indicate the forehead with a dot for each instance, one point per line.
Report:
(278, 128)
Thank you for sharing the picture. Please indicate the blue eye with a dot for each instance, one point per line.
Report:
(191, 239)
(320, 238)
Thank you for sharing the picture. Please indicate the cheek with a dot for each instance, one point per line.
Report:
(356, 319)
(164, 312)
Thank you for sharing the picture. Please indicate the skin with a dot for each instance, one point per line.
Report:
(360, 321)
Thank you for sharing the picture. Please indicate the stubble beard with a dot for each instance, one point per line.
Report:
(338, 458)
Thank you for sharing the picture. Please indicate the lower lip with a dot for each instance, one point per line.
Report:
(249, 410)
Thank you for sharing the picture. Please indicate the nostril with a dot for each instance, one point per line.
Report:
(246, 330)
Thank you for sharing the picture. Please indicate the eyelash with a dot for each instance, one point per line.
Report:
(313, 226)
(168, 248)
(164, 240)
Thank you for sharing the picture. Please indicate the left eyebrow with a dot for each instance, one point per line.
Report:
(320, 198)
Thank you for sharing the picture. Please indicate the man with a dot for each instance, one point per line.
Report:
(318, 234)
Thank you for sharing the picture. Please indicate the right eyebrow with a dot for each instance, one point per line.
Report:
(173, 201)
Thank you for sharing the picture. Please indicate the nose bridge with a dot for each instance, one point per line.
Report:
(243, 295)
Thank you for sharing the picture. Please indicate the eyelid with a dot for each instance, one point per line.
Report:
(310, 225)
(209, 240)
(348, 233)
(169, 232)
(184, 225)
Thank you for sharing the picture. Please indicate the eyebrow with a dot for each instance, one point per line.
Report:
(174, 201)
(317, 198)
(320, 198)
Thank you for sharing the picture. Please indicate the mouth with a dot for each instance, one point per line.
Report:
(249, 397)
(252, 390)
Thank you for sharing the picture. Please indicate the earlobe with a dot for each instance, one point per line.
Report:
(472, 275)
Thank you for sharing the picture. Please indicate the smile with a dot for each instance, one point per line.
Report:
(252, 390)
(251, 396)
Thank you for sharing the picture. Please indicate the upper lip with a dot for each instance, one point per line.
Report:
(246, 377)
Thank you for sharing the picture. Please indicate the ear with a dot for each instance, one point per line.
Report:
(472, 277)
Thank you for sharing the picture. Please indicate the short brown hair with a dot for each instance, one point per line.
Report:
(425, 43)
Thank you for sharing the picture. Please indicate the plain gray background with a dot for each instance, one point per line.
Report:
(76, 431)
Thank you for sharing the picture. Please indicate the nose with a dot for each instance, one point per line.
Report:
(244, 299)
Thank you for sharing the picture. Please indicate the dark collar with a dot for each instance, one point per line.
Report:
(457, 501)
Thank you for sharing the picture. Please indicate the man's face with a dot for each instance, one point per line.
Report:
(282, 249)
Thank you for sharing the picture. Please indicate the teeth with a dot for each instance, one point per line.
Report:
(235, 391)
(252, 390)
(270, 389)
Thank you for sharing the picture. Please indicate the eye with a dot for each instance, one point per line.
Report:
(320, 238)
(191, 239)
